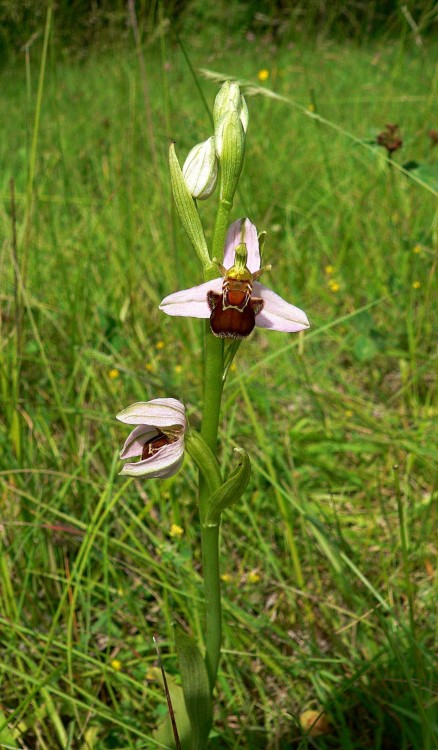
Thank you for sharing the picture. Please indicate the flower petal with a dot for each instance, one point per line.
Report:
(191, 303)
(160, 412)
(136, 439)
(277, 314)
(240, 231)
(166, 462)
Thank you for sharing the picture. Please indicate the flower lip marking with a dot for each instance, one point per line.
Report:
(154, 444)
(234, 311)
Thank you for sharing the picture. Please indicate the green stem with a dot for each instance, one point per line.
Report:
(213, 384)
(213, 610)
(210, 536)
(213, 368)
(220, 228)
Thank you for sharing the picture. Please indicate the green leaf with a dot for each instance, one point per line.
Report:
(204, 459)
(427, 173)
(187, 211)
(163, 734)
(231, 349)
(196, 687)
(7, 738)
(231, 491)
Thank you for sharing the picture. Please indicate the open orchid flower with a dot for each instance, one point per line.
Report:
(158, 438)
(237, 302)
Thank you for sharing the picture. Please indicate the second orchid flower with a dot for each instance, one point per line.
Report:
(157, 439)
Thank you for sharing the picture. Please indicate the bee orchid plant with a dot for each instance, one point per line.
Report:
(233, 302)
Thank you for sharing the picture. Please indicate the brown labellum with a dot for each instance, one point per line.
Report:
(233, 312)
(153, 445)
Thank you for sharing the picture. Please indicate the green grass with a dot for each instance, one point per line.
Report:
(330, 589)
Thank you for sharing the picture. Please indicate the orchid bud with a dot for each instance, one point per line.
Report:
(228, 97)
(200, 169)
(230, 148)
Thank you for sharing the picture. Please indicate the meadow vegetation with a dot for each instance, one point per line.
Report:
(329, 562)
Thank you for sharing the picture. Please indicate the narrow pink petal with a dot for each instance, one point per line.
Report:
(191, 303)
(277, 314)
(136, 439)
(233, 239)
(249, 236)
(166, 462)
(160, 412)
(240, 231)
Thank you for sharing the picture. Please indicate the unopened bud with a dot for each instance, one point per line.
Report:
(230, 148)
(200, 169)
(229, 97)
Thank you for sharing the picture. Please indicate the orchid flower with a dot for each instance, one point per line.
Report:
(236, 302)
(158, 438)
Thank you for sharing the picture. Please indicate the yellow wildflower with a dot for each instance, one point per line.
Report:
(178, 369)
(334, 286)
(150, 367)
(263, 74)
(416, 249)
(226, 577)
(348, 413)
(253, 577)
(416, 285)
(176, 531)
(113, 374)
(329, 270)
(116, 664)
(160, 344)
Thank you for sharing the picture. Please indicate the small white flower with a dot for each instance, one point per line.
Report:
(158, 438)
